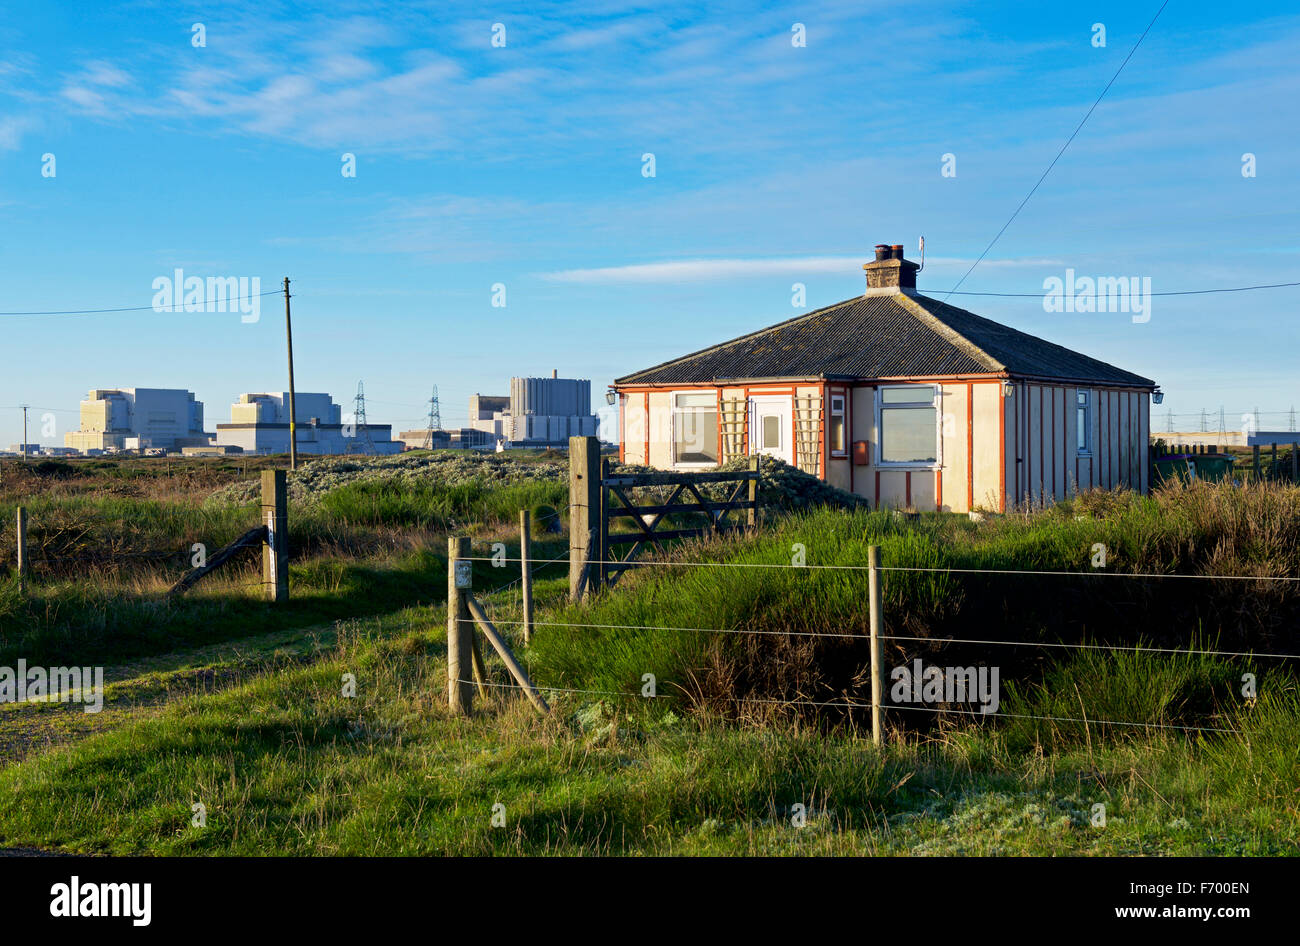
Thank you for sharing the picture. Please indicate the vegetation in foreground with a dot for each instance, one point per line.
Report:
(282, 762)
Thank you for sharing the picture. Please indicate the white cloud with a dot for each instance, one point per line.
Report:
(701, 270)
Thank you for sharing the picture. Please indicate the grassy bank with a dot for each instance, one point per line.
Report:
(285, 763)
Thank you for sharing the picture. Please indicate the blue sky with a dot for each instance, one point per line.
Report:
(522, 165)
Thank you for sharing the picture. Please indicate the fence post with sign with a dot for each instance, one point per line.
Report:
(460, 626)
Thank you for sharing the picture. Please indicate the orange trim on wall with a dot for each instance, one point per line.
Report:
(826, 406)
(938, 490)
(908, 500)
(622, 429)
(646, 458)
(1002, 451)
(970, 445)
(719, 402)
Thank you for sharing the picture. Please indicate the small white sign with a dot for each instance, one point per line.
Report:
(464, 574)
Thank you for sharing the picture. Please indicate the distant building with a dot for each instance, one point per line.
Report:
(25, 449)
(259, 424)
(540, 412)
(164, 418)
(416, 439)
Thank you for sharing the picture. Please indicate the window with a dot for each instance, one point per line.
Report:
(695, 429)
(771, 439)
(836, 431)
(1083, 422)
(908, 424)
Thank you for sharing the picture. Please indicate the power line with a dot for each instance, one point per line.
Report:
(1178, 292)
(137, 308)
(1063, 147)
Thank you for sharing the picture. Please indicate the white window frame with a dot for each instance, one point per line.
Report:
(843, 413)
(674, 412)
(1086, 449)
(935, 400)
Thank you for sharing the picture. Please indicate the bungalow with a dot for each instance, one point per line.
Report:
(906, 400)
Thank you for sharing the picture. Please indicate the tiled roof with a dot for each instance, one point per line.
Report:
(894, 335)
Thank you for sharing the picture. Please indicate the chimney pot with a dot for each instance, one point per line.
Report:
(882, 251)
(896, 251)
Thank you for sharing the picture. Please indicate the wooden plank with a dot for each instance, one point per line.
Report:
(253, 538)
(638, 511)
(516, 671)
(666, 534)
(626, 480)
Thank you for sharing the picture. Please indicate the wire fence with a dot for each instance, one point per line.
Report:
(848, 703)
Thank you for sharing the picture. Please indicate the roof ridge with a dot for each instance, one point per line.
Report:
(741, 338)
(940, 327)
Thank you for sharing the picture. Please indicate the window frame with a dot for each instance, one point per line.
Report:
(935, 403)
(675, 411)
(842, 413)
(1087, 407)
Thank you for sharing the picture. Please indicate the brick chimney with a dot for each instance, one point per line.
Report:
(889, 271)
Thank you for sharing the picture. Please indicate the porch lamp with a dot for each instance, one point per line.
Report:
(1158, 396)
(1008, 389)
(610, 397)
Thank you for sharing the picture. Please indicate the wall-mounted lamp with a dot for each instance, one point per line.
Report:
(1008, 389)
(1158, 396)
(610, 397)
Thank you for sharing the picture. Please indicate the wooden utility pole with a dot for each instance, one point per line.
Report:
(275, 552)
(24, 447)
(460, 581)
(877, 654)
(293, 406)
(22, 547)
(584, 511)
(526, 573)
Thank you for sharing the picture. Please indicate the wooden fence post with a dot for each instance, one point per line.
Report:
(601, 571)
(275, 553)
(1295, 462)
(752, 518)
(460, 579)
(1254, 451)
(584, 509)
(526, 572)
(877, 654)
(22, 547)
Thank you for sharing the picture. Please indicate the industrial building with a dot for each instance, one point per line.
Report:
(540, 412)
(138, 418)
(259, 423)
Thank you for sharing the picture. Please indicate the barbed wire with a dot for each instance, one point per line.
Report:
(914, 568)
(900, 637)
(860, 705)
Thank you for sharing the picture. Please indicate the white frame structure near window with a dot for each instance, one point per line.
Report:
(900, 407)
(692, 409)
(1083, 422)
(838, 423)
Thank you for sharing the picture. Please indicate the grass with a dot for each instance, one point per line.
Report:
(283, 762)
(240, 708)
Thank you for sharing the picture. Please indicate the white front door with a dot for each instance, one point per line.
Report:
(771, 427)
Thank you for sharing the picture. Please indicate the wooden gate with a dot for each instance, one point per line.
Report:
(599, 499)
